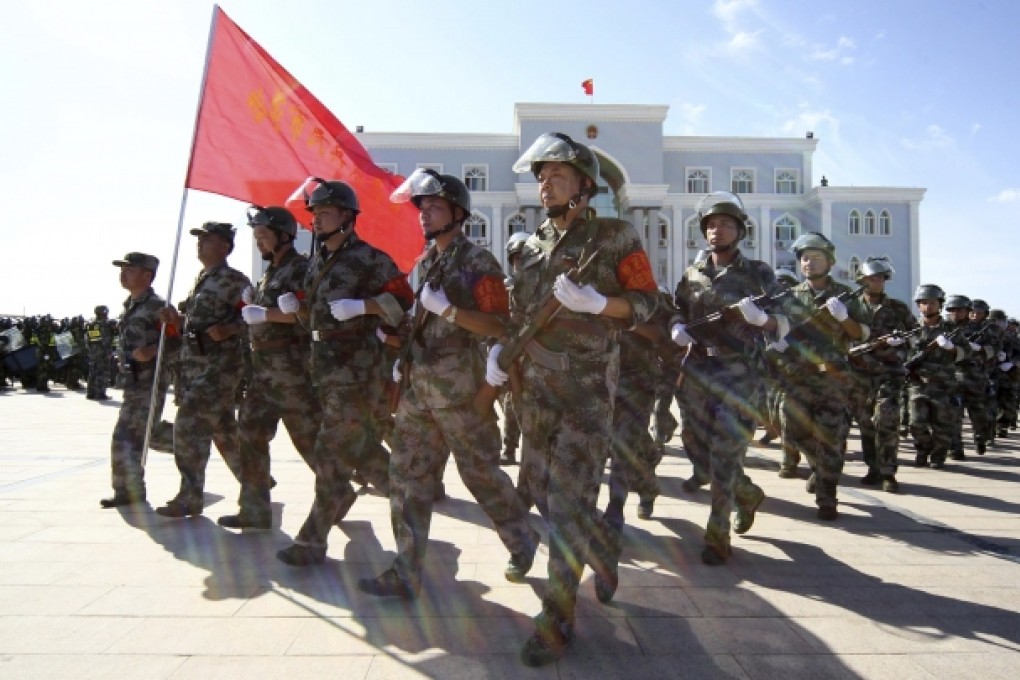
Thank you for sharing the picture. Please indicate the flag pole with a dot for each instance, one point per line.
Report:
(177, 241)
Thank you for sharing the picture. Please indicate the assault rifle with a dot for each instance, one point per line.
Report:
(914, 362)
(548, 308)
(765, 302)
(880, 342)
(809, 328)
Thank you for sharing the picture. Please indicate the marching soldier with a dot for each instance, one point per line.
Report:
(571, 368)
(350, 289)
(986, 337)
(100, 346)
(280, 387)
(463, 299)
(971, 379)
(511, 421)
(881, 368)
(825, 316)
(139, 331)
(210, 364)
(721, 397)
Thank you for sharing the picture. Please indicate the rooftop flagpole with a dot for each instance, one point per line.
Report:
(177, 241)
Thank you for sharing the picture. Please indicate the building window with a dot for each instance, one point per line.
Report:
(693, 230)
(742, 180)
(476, 177)
(476, 226)
(663, 228)
(436, 167)
(786, 230)
(885, 224)
(854, 269)
(698, 180)
(752, 230)
(787, 181)
(388, 167)
(869, 223)
(516, 223)
(662, 270)
(855, 223)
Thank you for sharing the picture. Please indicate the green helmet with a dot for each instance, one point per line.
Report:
(556, 146)
(979, 305)
(722, 203)
(316, 191)
(997, 315)
(275, 217)
(929, 291)
(786, 277)
(957, 302)
(812, 240)
(425, 182)
(515, 244)
(102, 310)
(876, 265)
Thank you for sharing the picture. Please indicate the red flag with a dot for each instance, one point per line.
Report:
(589, 87)
(260, 133)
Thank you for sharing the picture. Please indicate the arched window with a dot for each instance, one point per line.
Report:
(476, 226)
(786, 228)
(854, 226)
(854, 268)
(742, 180)
(869, 223)
(693, 229)
(752, 230)
(516, 223)
(476, 177)
(663, 228)
(698, 180)
(885, 224)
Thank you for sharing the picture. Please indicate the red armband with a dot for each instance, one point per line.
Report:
(399, 288)
(635, 272)
(491, 295)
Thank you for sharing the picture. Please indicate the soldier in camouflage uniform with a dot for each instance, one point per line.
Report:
(1005, 369)
(971, 379)
(463, 298)
(211, 367)
(814, 413)
(931, 380)
(351, 288)
(882, 368)
(511, 421)
(721, 397)
(571, 369)
(280, 387)
(100, 347)
(139, 331)
(986, 337)
(775, 380)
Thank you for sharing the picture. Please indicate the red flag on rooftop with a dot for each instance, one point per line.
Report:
(589, 87)
(260, 133)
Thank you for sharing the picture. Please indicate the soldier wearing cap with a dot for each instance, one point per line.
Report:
(825, 316)
(280, 387)
(99, 336)
(463, 300)
(210, 323)
(139, 335)
(351, 288)
(881, 374)
(571, 370)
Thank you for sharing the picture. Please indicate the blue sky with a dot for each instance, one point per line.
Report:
(101, 98)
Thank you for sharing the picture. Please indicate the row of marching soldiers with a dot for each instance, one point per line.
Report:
(572, 335)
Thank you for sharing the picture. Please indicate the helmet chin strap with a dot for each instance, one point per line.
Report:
(322, 238)
(432, 235)
(558, 211)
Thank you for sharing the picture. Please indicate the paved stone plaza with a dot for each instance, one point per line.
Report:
(923, 584)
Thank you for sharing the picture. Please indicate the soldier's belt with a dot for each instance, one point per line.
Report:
(267, 345)
(557, 361)
(335, 334)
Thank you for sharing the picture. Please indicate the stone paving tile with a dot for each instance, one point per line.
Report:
(92, 666)
(833, 667)
(208, 636)
(62, 634)
(269, 668)
(987, 665)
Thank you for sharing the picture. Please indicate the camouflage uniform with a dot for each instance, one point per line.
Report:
(721, 398)
(138, 327)
(570, 377)
(931, 387)
(100, 347)
(210, 371)
(436, 415)
(814, 409)
(348, 373)
(973, 390)
(1006, 399)
(280, 388)
(881, 371)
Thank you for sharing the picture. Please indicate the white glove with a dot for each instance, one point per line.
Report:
(752, 313)
(1001, 356)
(253, 314)
(379, 334)
(779, 345)
(434, 300)
(342, 310)
(494, 375)
(974, 347)
(1004, 367)
(679, 334)
(944, 342)
(837, 309)
(576, 298)
(288, 303)
(895, 341)
(397, 377)
(248, 295)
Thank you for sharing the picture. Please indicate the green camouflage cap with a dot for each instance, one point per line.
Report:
(222, 229)
(150, 262)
